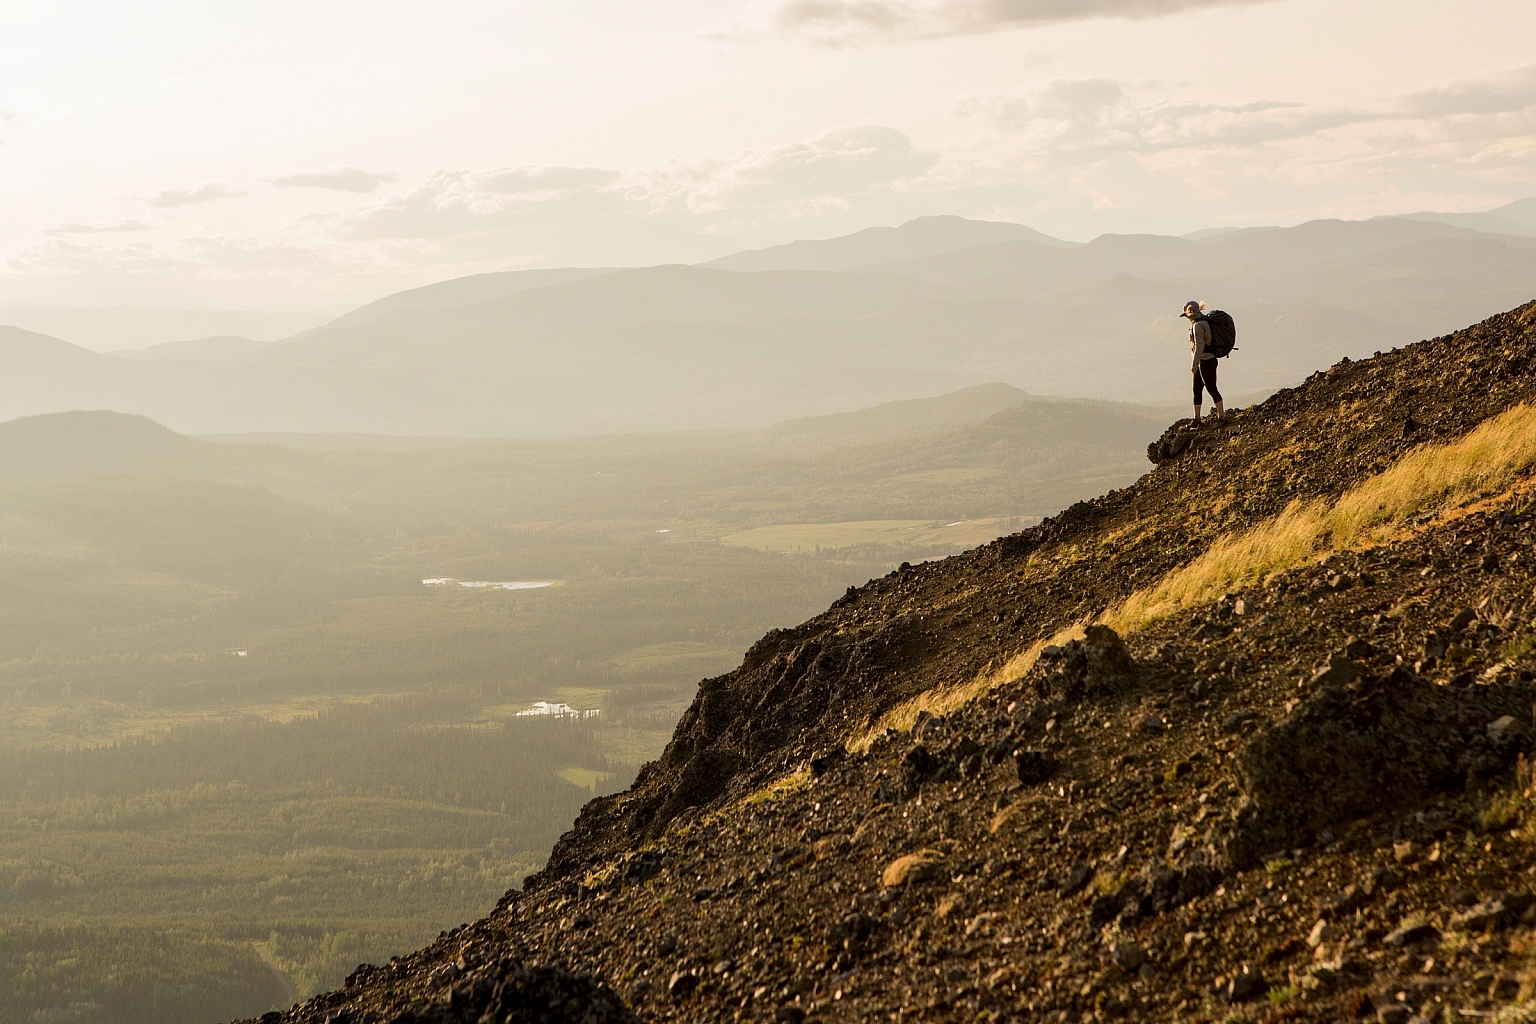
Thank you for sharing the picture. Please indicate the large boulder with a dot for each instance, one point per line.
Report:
(1351, 750)
(1098, 665)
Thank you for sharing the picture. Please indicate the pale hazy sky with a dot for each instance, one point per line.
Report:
(314, 155)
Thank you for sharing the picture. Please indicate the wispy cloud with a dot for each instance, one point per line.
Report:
(1072, 119)
(202, 192)
(855, 22)
(540, 181)
(470, 221)
(1096, 144)
(97, 229)
(784, 182)
(337, 179)
(1069, 117)
(1498, 92)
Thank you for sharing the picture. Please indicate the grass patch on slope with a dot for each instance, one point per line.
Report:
(1435, 478)
(942, 700)
(1485, 461)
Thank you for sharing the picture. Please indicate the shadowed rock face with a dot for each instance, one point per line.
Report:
(1099, 665)
(1298, 795)
(474, 989)
(1380, 741)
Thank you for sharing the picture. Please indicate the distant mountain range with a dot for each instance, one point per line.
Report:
(1518, 218)
(926, 236)
(983, 451)
(68, 446)
(118, 328)
(810, 329)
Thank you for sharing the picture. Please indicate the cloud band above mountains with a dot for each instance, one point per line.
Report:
(1065, 155)
(781, 183)
(851, 22)
(1070, 119)
(1507, 91)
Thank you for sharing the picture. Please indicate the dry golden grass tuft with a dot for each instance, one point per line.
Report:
(945, 699)
(1439, 478)
(1428, 479)
(780, 787)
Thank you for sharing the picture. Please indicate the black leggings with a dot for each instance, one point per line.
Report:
(1207, 376)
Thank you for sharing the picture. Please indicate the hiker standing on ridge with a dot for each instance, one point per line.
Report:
(1204, 367)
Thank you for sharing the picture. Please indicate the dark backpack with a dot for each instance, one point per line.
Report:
(1223, 333)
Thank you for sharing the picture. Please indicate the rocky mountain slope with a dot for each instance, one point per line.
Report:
(1243, 741)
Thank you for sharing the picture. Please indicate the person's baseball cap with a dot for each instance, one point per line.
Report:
(1190, 305)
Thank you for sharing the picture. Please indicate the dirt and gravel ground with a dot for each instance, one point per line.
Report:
(1305, 800)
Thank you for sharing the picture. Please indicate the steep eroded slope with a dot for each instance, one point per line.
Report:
(1292, 794)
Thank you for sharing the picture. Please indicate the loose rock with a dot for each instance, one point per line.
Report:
(1248, 984)
(922, 866)
(1412, 934)
(1034, 766)
(1321, 932)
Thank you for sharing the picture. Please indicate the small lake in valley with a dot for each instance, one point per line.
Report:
(448, 581)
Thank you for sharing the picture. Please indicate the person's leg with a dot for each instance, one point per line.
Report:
(1208, 372)
(1199, 396)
